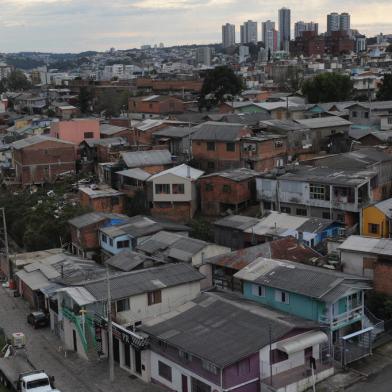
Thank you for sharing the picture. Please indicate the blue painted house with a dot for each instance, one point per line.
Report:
(333, 299)
(115, 238)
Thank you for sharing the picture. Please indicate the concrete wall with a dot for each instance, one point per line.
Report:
(172, 297)
(74, 130)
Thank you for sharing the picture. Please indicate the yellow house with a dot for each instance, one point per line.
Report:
(376, 220)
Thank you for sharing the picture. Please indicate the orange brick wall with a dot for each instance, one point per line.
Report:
(176, 212)
(210, 200)
(383, 277)
(102, 204)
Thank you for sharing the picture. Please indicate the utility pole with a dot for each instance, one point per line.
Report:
(110, 328)
(270, 352)
(5, 240)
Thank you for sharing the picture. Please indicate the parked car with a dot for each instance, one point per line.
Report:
(38, 319)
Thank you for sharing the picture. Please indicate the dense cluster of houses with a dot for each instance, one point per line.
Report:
(298, 197)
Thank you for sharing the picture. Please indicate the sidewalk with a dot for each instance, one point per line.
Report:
(359, 371)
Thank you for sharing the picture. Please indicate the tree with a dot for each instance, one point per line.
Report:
(85, 98)
(385, 91)
(112, 102)
(218, 84)
(17, 81)
(328, 87)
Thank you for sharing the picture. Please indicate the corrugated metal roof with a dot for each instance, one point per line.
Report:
(127, 260)
(146, 158)
(294, 277)
(357, 243)
(241, 174)
(143, 281)
(283, 249)
(239, 222)
(136, 173)
(217, 131)
(30, 141)
(222, 329)
(323, 122)
(183, 171)
(109, 129)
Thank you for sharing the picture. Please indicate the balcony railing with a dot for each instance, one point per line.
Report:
(349, 316)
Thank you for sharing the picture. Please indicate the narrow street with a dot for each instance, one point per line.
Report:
(379, 383)
(72, 374)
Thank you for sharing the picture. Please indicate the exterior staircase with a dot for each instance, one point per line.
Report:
(86, 334)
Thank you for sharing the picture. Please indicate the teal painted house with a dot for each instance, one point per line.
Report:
(331, 298)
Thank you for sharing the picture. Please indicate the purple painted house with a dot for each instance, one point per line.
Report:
(221, 342)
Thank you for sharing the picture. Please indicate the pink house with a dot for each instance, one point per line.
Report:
(76, 130)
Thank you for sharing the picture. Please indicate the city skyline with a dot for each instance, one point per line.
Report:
(74, 26)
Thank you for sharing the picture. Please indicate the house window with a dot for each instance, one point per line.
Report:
(277, 356)
(104, 238)
(122, 305)
(162, 189)
(165, 371)
(286, 210)
(278, 144)
(301, 212)
(89, 135)
(389, 120)
(184, 356)
(282, 296)
(209, 187)
(123, 244)
(230, 147)
(355, 114)
(319, 192)
(366, 114)
(258, 291)
(210, 165)
(373, 228)
(210, 146)
(115, 200)
(243, 367)
(199, 386)
(226, 188)
(209, 366)
(178, 189)
(154, 297)
(110, 241)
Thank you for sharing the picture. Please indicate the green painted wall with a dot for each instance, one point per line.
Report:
(298, 305)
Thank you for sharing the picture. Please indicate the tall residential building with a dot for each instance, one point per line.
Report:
(228, 35)
(284, 28)
(344, 22)
(336, 22)
(333, 22)
(203, 55)
(249, 32)
(301, 26)
(272, 41)
(265, 27)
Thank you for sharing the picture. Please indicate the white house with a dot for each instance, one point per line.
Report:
(174, 193)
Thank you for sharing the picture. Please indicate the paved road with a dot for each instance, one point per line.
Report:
(382, 382)
(72, 374)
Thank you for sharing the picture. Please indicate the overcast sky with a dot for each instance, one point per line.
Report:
(78, 25)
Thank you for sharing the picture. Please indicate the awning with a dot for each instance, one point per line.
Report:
(50, 290)
(299, 343)
(79, 295)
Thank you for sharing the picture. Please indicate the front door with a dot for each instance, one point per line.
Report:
(75, 341)
(184, 380)
(116, 350)
(138, 361)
